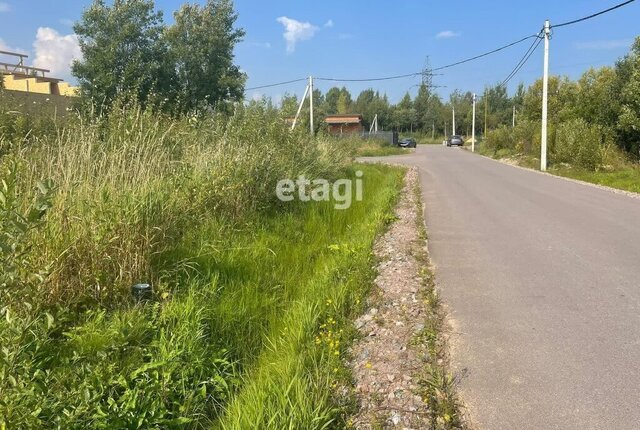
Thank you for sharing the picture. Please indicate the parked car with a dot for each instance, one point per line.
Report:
(407, 143)
(455, 141)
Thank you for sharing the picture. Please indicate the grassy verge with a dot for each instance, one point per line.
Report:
(248, 321)
(626, 178)
(379, 149)
(438, 384)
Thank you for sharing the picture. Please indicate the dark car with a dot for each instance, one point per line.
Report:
(407, 143)
(455, 141)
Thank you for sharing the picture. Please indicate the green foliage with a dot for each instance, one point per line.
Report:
(128, 52)
(344, 103)
(500, 138)
(563, 96)
(241, 282)
(123, 52)
(158, 366)
(578, 143)
(589, 119)
(201, 43)
(629, 84)
(19, 276)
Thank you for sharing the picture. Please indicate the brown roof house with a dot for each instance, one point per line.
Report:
(344, 124)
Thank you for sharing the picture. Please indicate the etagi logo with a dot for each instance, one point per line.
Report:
(321, 190)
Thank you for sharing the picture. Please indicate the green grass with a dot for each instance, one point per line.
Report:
(249, 322)
(375, 149)
(623, 176)
(626, 178)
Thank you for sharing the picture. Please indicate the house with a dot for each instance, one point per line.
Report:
(18, 77)
(344, 124)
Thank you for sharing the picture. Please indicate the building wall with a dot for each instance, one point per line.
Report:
(31, 85)
(34, 103)
(337, 129)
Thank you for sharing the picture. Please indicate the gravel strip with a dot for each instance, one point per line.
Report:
(386, 366)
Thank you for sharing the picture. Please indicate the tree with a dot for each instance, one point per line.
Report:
(562, 100)
(344, 101)
(404, 114)
(201, 43)
(597, 101)
(422, 106)
(331, 101)
(289, 105)
(123, 52)
(628, 71)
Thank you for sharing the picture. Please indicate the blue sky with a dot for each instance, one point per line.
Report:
(290, 39)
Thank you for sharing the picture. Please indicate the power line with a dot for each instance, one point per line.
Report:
(388, 78)
(277, 84)
(486, 53)
(408, 75)
(522, 61)
(575, 21)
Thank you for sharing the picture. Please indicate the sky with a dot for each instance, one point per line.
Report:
(355, 39)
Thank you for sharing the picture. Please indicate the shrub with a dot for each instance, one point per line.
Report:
(527, 137)
(579, 144)
(500, 138)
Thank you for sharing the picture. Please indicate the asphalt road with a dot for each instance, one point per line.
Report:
(542, 280)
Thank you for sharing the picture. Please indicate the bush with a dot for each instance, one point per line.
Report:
(500, 138)
(527, 137)
(579, 144)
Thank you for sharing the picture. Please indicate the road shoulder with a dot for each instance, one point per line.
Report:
(400, 364)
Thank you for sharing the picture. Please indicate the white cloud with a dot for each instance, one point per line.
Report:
(296, 31)
(4, 7)
(256, 97)
(605, 44)
(55, 52)
(329, 23)
(447, 34)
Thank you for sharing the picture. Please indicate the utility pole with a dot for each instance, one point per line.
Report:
(486, 110)
(304, 97)
(473, 126)
(433, 131)
(453, 127)
(514, 117)
(545, 97)
(311, 105)
(374, 125)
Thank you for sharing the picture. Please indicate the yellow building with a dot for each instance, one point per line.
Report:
(18, 77)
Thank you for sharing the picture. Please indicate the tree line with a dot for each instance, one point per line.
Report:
(604, 102)
(588, 117)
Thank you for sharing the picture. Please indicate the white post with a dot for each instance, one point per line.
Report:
(311, 105)
(514, 117)
(545, 97)
(473, 126)
(295, 120)
(374, 124)
(453, 127)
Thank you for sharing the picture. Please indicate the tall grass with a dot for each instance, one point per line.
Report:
(128, 187)
(250, 295)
